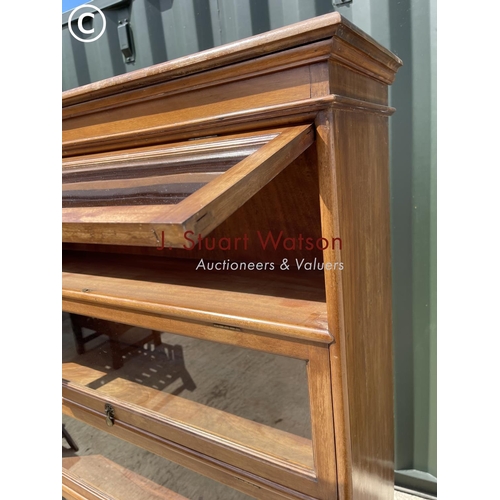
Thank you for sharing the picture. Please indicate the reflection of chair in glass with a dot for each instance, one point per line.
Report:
(67, 436)
(164, 366)
(177, 368)
(114, 331)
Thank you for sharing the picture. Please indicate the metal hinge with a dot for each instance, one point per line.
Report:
(110, 414)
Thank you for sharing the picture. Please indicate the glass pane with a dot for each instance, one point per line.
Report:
(224, 390)
(155, 176)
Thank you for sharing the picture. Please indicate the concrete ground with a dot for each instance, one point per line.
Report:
(265, 388)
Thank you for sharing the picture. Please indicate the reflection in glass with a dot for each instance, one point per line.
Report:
(215, 387)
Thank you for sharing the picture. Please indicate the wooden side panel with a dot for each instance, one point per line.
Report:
(360, 160)
(333, 290)
(350, 83)
(333, 77)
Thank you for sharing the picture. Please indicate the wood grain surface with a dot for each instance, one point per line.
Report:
(286, 304)
(253, 118)
(240, 479)
(362, 177)
(114, 481)
(143, 421)
(294, 35)
(266, 90)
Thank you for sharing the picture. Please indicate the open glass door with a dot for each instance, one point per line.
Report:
(153, 196)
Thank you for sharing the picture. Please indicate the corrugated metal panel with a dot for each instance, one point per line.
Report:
(167, 29)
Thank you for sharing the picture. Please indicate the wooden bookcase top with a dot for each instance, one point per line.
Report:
(316, 29)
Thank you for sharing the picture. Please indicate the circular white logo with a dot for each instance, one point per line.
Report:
(81, 18)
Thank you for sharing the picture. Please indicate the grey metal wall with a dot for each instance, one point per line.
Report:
(167, 29)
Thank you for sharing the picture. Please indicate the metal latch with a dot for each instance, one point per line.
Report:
(125, 40)
(110, 414)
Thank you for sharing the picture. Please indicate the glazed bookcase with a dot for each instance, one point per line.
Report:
(285, 132)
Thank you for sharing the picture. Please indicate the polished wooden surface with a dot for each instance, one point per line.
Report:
(303, 33)
(233, 97)
(112, 481)
(287, 304)
(174, 100)
(333, 289)
(268, 64)
(240, 479)
(175, 165)
(85, 404)
(352, 156)
(254, 118)
(362, 178)
(324, 72)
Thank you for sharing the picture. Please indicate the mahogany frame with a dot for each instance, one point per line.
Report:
(324, 72)
(199, 213)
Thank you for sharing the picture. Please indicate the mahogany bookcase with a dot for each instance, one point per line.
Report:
(283, 133)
